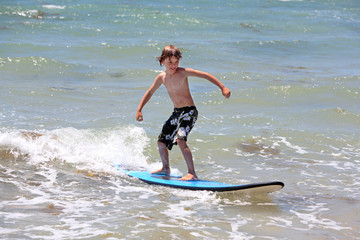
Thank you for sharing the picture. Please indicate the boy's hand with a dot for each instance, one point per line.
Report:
(139, 116)
(226, 92)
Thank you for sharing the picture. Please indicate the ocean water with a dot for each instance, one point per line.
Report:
(73, 73)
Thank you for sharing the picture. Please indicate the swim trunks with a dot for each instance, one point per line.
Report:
(178, 126)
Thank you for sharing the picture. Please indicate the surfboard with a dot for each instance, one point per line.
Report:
(174, 182)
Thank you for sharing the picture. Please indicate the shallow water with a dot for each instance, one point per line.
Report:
(73, 74)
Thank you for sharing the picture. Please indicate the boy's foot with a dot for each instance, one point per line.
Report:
(189, 177)
(161, 172)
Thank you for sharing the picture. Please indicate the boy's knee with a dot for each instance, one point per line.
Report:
(181, 142)
(161, 144)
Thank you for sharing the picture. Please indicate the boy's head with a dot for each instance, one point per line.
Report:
(168, 52)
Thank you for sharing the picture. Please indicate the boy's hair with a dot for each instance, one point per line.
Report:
(168, 52)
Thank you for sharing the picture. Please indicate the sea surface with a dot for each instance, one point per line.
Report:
(72, 73)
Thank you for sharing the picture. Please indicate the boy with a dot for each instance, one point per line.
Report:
(176, 129)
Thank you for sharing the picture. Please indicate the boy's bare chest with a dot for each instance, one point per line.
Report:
(175, 83)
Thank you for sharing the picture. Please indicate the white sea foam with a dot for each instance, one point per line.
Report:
(92, 149)
(314, 221)
(298, 149)
(49, 6)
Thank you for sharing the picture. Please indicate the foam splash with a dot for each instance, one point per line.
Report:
(94, 149)
(298, 149)
(50, 6)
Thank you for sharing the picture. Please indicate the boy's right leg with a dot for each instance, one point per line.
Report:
(164, 154)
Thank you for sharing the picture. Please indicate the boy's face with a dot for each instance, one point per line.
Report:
(171, 64)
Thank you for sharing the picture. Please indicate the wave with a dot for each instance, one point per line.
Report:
(57, 73)
(33, 64)
(49, 6)
(85, 149)
(37, 12)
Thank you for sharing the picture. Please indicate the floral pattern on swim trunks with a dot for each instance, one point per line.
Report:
(178, 126)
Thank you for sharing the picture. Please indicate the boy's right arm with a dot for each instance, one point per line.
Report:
(157, 83)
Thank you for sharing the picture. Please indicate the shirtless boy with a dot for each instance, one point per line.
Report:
(177, 128)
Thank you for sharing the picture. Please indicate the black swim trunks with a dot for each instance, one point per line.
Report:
(178, 126)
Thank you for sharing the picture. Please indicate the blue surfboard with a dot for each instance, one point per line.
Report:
(173, 181)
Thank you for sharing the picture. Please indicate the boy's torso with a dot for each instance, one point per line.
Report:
(177, 87)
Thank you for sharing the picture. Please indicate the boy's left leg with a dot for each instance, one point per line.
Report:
(188, 159)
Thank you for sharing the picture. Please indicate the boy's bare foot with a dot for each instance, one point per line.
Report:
(189, 177)
(162, 172)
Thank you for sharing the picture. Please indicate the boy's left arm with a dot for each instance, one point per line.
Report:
(196, 73)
